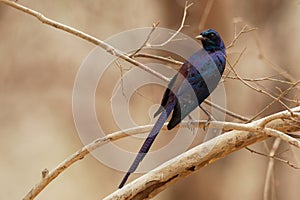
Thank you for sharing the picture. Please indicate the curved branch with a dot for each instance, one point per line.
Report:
(206, 153)
(270, 169)
(80, 154)
(225, 126)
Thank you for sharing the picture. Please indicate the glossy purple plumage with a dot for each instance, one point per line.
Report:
(196, 79)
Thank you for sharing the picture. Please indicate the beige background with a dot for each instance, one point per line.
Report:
(38, 69)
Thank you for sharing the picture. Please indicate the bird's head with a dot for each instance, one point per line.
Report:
(211, 40)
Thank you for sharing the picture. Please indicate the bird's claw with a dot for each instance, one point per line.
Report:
(189, 124)
(210, 118)
(206, 124)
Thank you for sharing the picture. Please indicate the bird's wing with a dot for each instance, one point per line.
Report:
(173, 87)
(196, 86)
(166, 96)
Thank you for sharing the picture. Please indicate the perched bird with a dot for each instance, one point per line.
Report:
(196, 79)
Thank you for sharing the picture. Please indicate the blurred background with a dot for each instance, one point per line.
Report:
(39, 66)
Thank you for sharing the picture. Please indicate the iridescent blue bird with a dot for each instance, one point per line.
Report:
(194, 82)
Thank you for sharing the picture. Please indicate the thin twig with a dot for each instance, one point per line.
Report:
(227, 112)
(161, 58)
(263, 79)
(186, 7)
(274, 66)
(121, 76)
(146, 41)
(274, 157)
(274, 101)
(235, 63)
(244, 30)
(270, 169)
(276, 93)
(257, 80)
(258, 90)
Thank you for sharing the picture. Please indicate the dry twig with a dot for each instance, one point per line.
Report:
(161, 58)
(274, 157)
(244, 30)
(186, 7)
(270, 169)
(274, 101)
(146, 41)
(258, 90)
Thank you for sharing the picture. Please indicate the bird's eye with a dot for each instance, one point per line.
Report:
(212, 35)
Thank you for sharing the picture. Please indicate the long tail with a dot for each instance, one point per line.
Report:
(148, 142)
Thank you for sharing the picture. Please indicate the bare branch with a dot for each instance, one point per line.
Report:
(284, 137)
(273, 157)
(244, 30)
(186, 7)
(121, 84)
(234, 140)
(227, 112)
(257, 80)
(258, 90)
(168, 173)
(274, 66)
(275, 100)
(270, 169)
(235, 63)
(263, 79)
(161, 58)
(146, 41)
(110, 49)
(283, 116)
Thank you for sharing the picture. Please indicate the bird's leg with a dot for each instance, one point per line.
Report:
(189, 124)
(210, 117)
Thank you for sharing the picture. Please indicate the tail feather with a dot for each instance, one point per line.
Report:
(148, 142)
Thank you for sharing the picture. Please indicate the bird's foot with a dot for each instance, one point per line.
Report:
(206, 124)
(189, 124)
(210, 118)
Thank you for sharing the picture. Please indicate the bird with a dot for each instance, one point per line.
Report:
(198, 76)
